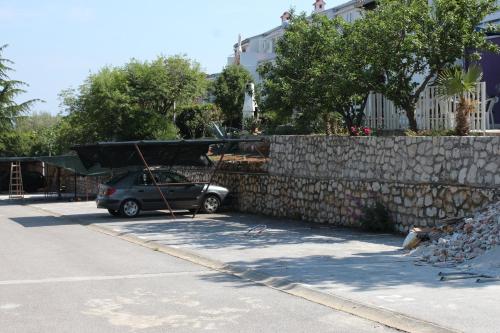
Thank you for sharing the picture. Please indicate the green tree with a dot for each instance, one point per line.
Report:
(409, 42)
(12, 142)
(37, 133)
(229, 93)
(194, 121)
(293, 84)
(165, 82)
(35, 121)
(132, 102)
(320, 70)
(9, 90)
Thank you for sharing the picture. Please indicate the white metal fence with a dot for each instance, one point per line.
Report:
(432, 111)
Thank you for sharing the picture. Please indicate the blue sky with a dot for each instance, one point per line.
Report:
(55, 44)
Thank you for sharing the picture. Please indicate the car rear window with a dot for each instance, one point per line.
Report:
(116, 179)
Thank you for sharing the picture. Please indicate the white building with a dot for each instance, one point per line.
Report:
(254, 51)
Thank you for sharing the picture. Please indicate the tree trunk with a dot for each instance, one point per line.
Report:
(328, 124)
(465, 108)
(361, 114)
(410, 113)
(348, 124)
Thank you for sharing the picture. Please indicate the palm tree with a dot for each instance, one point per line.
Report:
(455, 81)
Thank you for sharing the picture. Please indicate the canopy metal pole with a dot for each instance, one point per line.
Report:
(86, 190)
(76, 195)
(153, 179)
(205, 190)
(58, 183)
(47, 182)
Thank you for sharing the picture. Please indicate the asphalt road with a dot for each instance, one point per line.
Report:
(57, 276)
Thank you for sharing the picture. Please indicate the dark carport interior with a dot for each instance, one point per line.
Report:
(115, 155)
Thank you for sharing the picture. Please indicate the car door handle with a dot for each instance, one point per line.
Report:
(141, 191)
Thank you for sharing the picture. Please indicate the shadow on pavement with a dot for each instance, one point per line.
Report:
(360, 273)
(83, 219)
(318, 255)
(235, 231)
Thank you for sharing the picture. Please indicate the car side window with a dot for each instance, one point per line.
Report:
(176, 178)
(145, 179)
(165, 178)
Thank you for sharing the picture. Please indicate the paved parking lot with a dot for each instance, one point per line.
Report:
(371, 269)
(60, 276)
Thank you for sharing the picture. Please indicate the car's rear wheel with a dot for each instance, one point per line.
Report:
(211, 204)
(130, 208)
(114, 212)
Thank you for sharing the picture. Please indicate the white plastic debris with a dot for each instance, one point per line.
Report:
(411, 241)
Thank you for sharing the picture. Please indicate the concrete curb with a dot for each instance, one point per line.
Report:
(382, 316)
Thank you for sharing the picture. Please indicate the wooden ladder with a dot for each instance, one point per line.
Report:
(16, 190)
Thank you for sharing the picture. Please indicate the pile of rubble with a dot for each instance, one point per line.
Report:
(459, 240)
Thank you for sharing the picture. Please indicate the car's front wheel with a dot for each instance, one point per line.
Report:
(130, 208)
(211, 204)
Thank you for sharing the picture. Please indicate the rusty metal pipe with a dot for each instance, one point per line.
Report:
(154, 180)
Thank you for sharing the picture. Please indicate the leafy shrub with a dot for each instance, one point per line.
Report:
(376, 218)
(335, 124)
(251, 125)
(194, 121)
(168, 132)
(440, 132)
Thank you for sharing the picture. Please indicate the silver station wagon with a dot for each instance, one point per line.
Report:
(129, 193)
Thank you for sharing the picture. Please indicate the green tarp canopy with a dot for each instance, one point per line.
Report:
(68, 162)
(164, 153)
(101, 158)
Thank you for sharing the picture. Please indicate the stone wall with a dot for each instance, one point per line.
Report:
(471, 161)
(421, 180)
